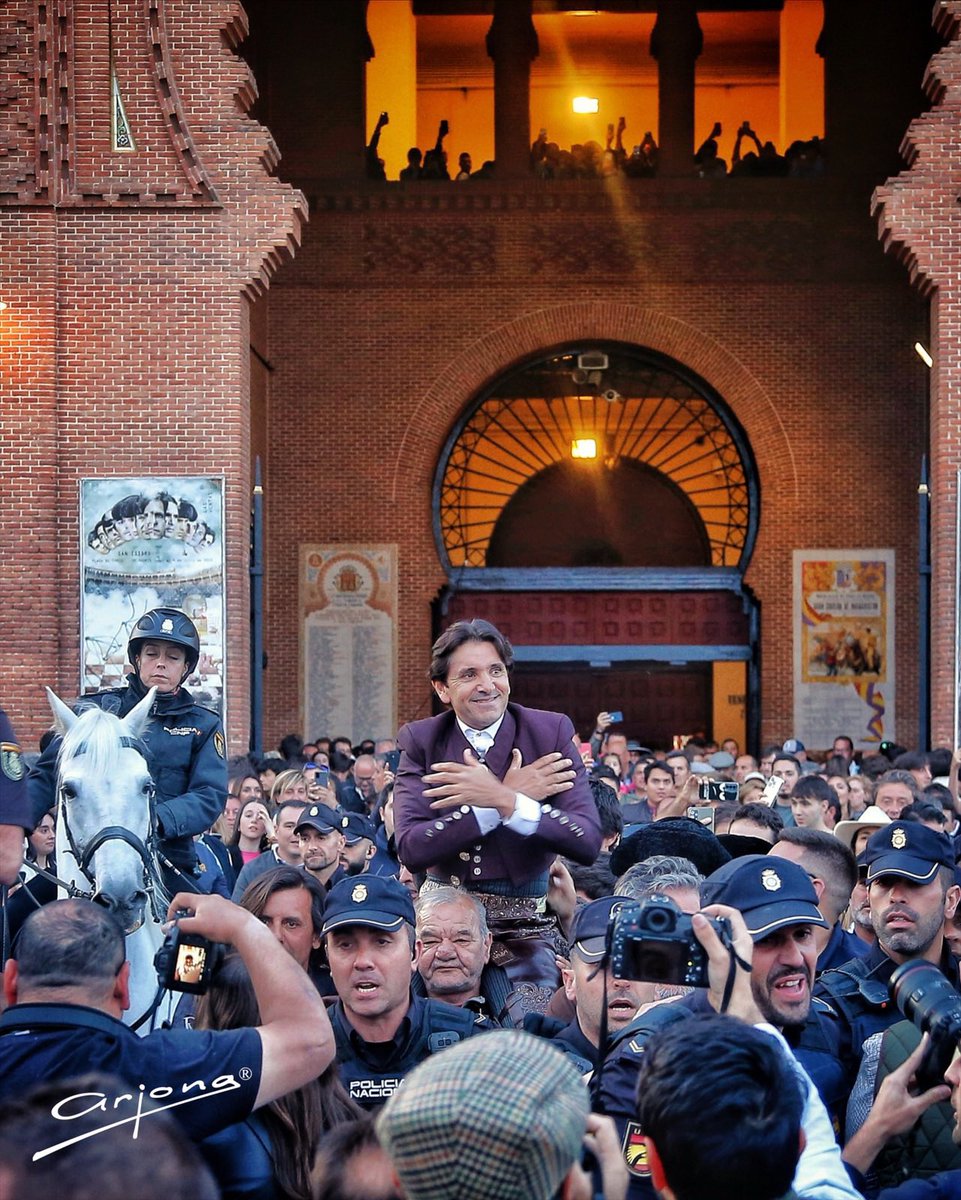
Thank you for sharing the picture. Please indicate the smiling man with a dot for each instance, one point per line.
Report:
(382, 1030)
(486, 796)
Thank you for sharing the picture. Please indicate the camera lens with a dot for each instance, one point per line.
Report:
(923, 994)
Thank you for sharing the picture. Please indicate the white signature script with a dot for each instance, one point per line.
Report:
(70, 1108)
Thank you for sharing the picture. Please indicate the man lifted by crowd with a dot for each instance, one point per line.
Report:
(486, 795)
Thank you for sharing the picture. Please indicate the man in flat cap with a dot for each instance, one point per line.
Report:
(502, 1116)
(910, 881)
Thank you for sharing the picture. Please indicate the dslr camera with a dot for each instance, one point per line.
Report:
(925, 997)
(655, 941)
(186, 962)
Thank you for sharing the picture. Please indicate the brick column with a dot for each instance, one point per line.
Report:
(676, 43)
(512, 44)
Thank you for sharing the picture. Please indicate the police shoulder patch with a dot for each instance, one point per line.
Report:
(220, 745)
(11, 761)
(635, 1151)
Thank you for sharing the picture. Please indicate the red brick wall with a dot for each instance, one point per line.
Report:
(918, 219)
(127, 276)
(398, 309)
(124, 347)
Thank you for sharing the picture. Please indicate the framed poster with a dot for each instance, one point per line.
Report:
(145, 543)
(348, 607)
(844, 647)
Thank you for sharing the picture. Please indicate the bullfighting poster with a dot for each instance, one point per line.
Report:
(348, 606)
(145, 543)
(844, 647)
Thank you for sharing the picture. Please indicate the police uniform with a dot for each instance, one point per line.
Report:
(44, 1042)
(857, 992)
(187, 761)
(372, 1071)
(771, 894)
(15, 808)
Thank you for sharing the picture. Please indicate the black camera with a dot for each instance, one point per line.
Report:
(655, 941)
(186, 961)
(925, 997)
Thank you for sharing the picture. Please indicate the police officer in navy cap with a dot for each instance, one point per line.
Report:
(321, 833)
(16, 819)
(778, 904)
(187, 752)
(590, 986)
(382, 1030)
(911, 888)
(361, 854)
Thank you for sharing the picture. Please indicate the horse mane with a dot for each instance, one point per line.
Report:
(96, 737)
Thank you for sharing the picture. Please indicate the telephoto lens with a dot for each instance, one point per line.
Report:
(926, 997)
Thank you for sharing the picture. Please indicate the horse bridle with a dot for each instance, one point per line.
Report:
(145, 851)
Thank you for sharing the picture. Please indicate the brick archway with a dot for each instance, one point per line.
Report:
(502, 348)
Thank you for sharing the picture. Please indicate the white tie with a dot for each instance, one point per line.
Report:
(482, 741)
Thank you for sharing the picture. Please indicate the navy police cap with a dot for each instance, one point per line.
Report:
(769, 893)
(321, 818)
(357, 827)
(908, 849)
(379, 901)
(589, 927)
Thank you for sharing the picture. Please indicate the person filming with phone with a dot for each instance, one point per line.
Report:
(67, 988)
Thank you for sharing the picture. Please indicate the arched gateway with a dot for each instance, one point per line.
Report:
(599, 502)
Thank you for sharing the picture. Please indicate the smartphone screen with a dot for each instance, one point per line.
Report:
(616, 716)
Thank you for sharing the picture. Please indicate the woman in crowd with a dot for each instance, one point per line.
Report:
(252, 833)
(268, 1156)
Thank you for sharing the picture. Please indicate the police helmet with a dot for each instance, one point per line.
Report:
(166, 625)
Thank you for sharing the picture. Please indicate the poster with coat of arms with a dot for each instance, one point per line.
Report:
(348, 606)
(151, 542)
(844, 647)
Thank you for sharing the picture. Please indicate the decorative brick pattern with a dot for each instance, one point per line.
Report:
(128, 279)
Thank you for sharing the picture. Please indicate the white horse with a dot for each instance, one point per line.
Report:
(106, 833)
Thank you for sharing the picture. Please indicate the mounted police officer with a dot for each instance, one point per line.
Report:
(185, 741)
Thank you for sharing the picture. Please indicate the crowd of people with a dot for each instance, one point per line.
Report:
(489, 956)
(803, 159)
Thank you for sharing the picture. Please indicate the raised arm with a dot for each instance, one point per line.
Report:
(295, 1034)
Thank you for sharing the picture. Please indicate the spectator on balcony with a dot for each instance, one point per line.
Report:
(373, 164)
(709, 164)
(413, 168)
